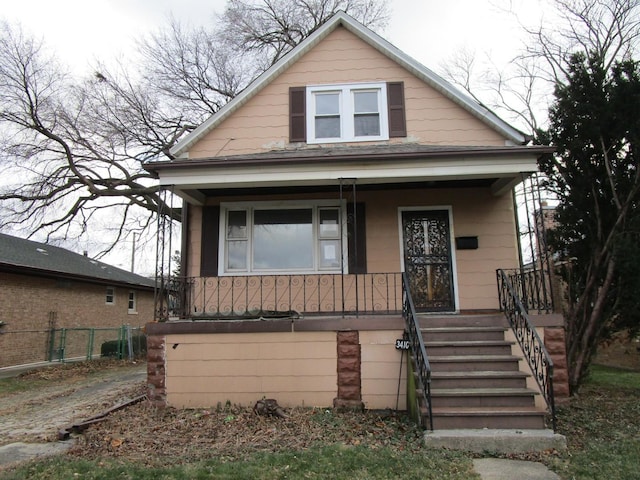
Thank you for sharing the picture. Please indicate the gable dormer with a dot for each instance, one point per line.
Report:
(343, 58)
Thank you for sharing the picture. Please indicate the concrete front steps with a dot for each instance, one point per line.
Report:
(476, 381)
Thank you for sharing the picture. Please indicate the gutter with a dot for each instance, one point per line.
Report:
(279, 159)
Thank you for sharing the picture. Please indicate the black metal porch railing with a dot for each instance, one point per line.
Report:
(282, 295)
(533, 287)
(418, 349)
(532, 345)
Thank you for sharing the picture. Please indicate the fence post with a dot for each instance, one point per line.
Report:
(129, 342)
(120, 342)
(52, 343)
(90, 344)
(62, 345)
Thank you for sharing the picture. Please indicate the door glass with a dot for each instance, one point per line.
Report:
(427, 259)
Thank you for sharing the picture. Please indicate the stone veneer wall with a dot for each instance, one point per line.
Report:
(156, 386)
(349, 371)
(555, 343)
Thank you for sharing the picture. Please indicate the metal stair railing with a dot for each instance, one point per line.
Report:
(530, 342)
(416, 343)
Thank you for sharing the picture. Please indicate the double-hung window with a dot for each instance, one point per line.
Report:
(110, 298)
(347, 113)
(131, 306)
(283, 238)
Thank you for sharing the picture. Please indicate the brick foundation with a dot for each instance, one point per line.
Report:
(349, 372)
(156, 387)
(555, 343)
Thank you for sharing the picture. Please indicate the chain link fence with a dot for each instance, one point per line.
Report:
(89, 343)
(20, 347)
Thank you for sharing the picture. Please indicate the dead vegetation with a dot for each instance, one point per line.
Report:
(143, 433)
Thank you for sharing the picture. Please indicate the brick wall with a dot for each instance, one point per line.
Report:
(29, 304)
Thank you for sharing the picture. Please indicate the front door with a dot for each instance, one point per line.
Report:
(427, 259)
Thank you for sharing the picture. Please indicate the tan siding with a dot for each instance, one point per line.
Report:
(475, 213)
(294, 368)
(262, 123)
(381, 370)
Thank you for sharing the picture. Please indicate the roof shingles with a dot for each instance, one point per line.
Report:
(20, 255)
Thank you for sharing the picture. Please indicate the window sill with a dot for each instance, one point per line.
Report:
(319, 141)
(272, 273)
(132, 312)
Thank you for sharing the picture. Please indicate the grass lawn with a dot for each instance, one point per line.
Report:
(602, 425)
(326, 462)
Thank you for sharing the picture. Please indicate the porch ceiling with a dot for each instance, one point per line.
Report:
(437, 166)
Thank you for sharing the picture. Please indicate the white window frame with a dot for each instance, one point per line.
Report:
(249, 207)
(347, 111)
(112, 295)
(132, 297)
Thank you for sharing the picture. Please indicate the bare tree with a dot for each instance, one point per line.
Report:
(268, 29)
(66, 152)
(522, 90)
(72, 153)
(608, 30)
(192, 71)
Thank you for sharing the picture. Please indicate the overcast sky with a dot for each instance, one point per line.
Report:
(80, 31)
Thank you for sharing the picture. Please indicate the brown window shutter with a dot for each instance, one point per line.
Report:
(357, 242)
(297, 114)
(210, 241)
(395, 101)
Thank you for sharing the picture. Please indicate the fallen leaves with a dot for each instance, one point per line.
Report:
(157, 436)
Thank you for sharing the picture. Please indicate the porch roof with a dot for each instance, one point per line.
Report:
(501, 166)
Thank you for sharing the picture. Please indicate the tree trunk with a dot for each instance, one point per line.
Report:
(584, 340)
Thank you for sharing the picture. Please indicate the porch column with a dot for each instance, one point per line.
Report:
(349, 371)
(555, 343)
(156, 386)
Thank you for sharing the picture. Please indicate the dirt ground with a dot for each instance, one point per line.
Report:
(60, 397)
(65, 396)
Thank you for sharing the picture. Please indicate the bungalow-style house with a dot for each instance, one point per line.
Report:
(44, 289)
(347, 205)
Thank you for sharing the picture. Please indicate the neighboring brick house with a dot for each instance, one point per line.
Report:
(345, 180)
(44, 287)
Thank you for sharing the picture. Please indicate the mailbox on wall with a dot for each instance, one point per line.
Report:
(466, 243)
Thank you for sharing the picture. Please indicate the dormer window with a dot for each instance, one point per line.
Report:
(358, 112)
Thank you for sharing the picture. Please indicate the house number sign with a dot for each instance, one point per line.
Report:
(402, 344)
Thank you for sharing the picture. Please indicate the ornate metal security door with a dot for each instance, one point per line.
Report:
(427, 259)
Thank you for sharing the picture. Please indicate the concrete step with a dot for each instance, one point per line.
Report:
(474, 363)
(473, 347)
(462, 334)
(483, 379)
(447, 418)
(433, 321)
(482, 397)
(503, 441)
